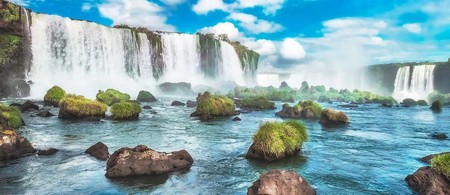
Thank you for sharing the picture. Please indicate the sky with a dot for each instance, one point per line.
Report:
(289, 34)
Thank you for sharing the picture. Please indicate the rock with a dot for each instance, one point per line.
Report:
(386, 105)
(349, 106)
(145, 96)
(28, 106)
(436, 106)
(92, 119)
(177, 103)
(142, 160)
(306, 109)
(99, 151)
(211, 106)
(278, 182)
(44, 113)
(13, 146)
(427, 181)
(53, 96)
(307, 113)
(439, 136)
(330, 117)
(79, 107)
(427, 158)
(125, 111)
(191, 104)
(49, 152)
(147, 107)
(237, 119)
(176, 88)
(153, 112)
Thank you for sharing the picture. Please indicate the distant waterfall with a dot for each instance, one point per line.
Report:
(84, 57)
(417, 85)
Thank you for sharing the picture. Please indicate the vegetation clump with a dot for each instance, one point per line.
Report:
(125, 111)
(112, 96)
(209, 106)
(275, 140)
(441, 163)
(333, 117)
(10, 116)
(54, 95)
(304, 109)
(145, 96)
(422, 103)
(257, 103)
(409, 102)
(76, 106)
(436, 106)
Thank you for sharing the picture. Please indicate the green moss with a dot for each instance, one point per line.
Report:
(409, 102)
(145, 96)
(9, 45)
(313, 106)
(10, 13)
(125, 111)
(215, 105)
(11, 115)
(260, 102)
(441, 163)
(422, 103)
(54, 95)
(82, 107)
(436, 106)
(112, 96)
(278, 138)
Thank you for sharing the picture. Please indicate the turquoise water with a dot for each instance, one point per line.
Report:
(372, 155)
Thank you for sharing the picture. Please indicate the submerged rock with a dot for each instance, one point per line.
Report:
(427, 181)
(147, 107)
(48, 152)
(439, 136)
(44, 113)
(237, 119)
(142, 160)
(279, 182)
(27, 106)
(13, 146)
(177, 103)
(99, 151)
(191, 104)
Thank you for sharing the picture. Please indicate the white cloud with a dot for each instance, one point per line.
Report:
(413, 27)
(269, 6)
(206, 6)
(254, 25)
(136, 13)
(224, 28)
(86, 7)
(263, 46)
(292, 50)
(173, 2)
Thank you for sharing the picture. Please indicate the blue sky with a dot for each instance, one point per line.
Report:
(289, 34)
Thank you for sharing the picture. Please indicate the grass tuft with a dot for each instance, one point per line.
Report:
(125, 111)
(54, 95)
(215, 105)
(11, 116)
(82, 107)
(441, 163)
(112, 96)
(260, 102)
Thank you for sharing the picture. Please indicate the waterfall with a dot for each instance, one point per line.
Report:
(417, 85)
(230, 68)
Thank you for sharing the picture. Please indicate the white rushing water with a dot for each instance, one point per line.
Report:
(417, 85)
(84, 57)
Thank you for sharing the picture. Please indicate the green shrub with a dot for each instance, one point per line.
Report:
(11, 116)
(278, 138)
(125, 111)
(260, 102)
(54, 95)
(215, 105)
(311, 105)
(81, 106)
(112, 96)
(422, 103)
(145, 96)
(441, 163)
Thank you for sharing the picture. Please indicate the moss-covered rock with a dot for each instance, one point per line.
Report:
(409, 102)
(10, 116)
(422, 103)
(210, 106)
(112, 96)
(79, 107)
(54, 95)
(306, 109)
(441, 163)
(330, 117)
(276, 140)
(436, 106)
(125, 111)
(257, 103)
(145, 96)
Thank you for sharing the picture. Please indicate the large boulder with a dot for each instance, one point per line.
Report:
(111, 96)
(306, 110)
(176, 88)
(44, 113)
(125, 111)
(436, 106)
(99, 151)
(145, 96)
(276, 140)
(79, 107)
(13, 146)
(191, 104)
(141, 160)
(330, 117)
(279, 182)
(428, 181)
(53, 96)
(177, 103)
(28, 106)
(210, 106)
